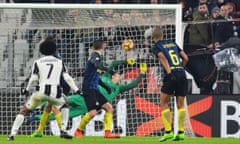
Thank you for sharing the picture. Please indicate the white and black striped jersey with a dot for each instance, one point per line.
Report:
(48, 71)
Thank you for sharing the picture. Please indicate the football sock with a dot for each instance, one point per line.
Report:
(16, 124)
(43, 121)
(181, 119)
(65, 115)
(59, 120)
(166, 119)
(85, 120)
(107, 121)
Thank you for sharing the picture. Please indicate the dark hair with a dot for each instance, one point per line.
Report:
(97, 44)
(48, 46)
(200, 4)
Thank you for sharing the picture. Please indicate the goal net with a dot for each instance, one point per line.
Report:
(74, 27)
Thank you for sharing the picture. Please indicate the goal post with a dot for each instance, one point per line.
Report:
(74, 27)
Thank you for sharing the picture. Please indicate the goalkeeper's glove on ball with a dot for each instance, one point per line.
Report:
(131, 61)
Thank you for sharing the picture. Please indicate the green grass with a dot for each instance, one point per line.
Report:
(124, 140)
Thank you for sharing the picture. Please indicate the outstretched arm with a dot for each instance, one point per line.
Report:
(117, 63)
(133, 84)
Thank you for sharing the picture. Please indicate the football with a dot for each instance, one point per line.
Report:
(128, 45)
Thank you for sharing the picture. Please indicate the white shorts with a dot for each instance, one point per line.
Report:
(38, 98)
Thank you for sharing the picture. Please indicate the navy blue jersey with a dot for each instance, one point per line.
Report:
(172, 53)
(92, 72)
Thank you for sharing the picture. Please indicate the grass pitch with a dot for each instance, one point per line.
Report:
(20, 139)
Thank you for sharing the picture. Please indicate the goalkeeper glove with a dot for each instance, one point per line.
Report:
(131, 61)
(143, 68)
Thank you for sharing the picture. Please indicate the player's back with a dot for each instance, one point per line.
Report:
(91, 74)
(49, 70)
(172, 53)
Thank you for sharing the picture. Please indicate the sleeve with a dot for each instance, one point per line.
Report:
(69, 80)
(96, 60)
(33, 76)
(131, 85)
(117, 63)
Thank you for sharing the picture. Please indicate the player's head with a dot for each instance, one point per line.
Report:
(157, 34)
(99, 45)
(116, 78)
(48, 46)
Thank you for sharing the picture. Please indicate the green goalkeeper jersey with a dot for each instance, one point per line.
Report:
(77, 104)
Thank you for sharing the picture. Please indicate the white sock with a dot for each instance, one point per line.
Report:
(16, 124)
(65, 117)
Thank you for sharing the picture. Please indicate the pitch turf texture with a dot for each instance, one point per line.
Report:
(122, 140)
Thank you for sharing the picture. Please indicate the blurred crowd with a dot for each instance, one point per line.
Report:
(214, 21)
(98, 1)
(210, 24)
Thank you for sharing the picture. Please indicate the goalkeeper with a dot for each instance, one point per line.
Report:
(108, 86)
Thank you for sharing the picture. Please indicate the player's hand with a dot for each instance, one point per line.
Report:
(24, 92)
(131, 61)
(143, 68)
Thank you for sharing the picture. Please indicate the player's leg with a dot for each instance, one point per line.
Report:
(58, 117)
(90, 100)
(65, 116)
(44, 119)
(33, 102)
(166, 116)
(181, 118)
(181, 91)
(166, 92)
(18, 122)
(59, 102)
(108, 118)
(84, 121)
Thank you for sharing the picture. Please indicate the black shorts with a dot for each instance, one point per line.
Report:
(176, 86)
(94, 99)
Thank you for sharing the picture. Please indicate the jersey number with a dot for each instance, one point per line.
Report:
(174, 57)
(50, 70)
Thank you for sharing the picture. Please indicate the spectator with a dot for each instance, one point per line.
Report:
(225, 11)
(215, 12)
(186, 11)
(223, 28)
(210, 4)
(199, 33)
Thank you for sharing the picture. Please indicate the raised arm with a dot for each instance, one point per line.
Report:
(131, 85)
(134, 83)
(96, 61)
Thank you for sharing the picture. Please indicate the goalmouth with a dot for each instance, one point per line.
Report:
(75, 27)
